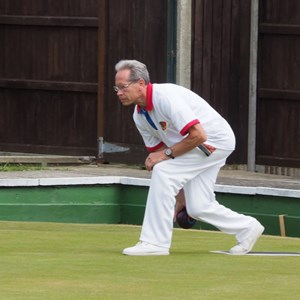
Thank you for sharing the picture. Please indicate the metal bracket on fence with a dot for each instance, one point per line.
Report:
(104, 147)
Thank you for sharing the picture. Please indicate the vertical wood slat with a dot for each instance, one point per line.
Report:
(216, 53)
(225, 56)
(197, 42)
(207, 49)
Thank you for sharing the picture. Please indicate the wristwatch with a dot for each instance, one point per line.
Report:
(169, 153)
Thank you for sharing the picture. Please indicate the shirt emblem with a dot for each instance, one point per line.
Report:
(163, 125)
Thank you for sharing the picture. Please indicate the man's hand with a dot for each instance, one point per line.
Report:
(154, 158)
(180, 203)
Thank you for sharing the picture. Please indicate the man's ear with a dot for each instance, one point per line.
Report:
(141, 82)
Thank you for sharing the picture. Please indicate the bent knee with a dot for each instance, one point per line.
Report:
(160, 170)
(199, 211)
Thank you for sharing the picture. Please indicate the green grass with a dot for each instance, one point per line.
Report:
(75, 261)
(20, 167)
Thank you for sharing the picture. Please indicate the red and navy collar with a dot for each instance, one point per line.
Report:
(149, 103)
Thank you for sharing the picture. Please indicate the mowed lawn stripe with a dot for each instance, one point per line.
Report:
(78, 261)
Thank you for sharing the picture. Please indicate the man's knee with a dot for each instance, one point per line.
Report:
(160, 170)
(161, 175)
(199, 209)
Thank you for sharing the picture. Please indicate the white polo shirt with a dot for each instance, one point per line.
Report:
(172, 110)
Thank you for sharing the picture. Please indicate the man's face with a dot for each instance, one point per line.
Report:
(129, 92)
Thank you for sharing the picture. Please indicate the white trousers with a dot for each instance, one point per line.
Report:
(196, 174)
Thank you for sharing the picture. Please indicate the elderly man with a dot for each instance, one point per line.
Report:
(188, 143)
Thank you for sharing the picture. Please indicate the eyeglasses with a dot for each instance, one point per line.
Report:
(123, 87)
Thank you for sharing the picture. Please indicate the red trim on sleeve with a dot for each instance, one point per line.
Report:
(152, 149)
(185, 129)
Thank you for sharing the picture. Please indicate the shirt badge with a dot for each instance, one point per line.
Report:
(163, 125)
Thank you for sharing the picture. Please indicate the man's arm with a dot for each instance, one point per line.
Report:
(196, 136)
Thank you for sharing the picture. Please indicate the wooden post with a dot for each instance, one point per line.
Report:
(252, 86)
(101, 72)
(282, 225)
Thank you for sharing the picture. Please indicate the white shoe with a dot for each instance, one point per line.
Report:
(247, 245)
(144, 249)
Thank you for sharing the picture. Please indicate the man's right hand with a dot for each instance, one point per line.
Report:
(180, 203)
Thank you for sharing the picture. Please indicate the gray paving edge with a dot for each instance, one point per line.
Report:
(124, 180)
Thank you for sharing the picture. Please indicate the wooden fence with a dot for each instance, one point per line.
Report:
(57, 62)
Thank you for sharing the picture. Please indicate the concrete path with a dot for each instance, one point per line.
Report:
(226, 177)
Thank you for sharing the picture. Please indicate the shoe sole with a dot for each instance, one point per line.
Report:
(145, 253)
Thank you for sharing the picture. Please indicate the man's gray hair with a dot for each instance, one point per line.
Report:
(137, 69)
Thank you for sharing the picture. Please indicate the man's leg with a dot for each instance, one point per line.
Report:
(168, 177)
(202, 205)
